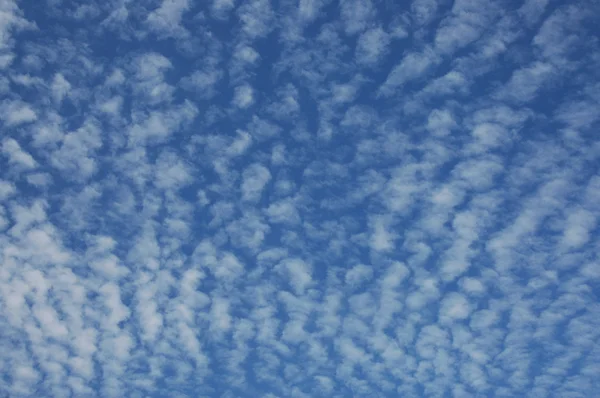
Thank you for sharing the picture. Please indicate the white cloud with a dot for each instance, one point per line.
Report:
(158, 126)
(149, 66)
(372, 46)
(525, 83)
(441, 122)
(109, 267)
(167, 18)
(13, 20)
(577, 229)
(203, 82)
(298, 273)
(284, 212)
(60, 87)
(255, 179)
(77, 149)
(298, 199)
(423, 10)
(308, 9)
(355, 15)
(243, 96)
(381, 238)
(40, 245)
(532, 10)
(256, 17)
(16, 155)
(221, 320)
(15, 113)
(117, 312)
(465, 24)
(472, 286)
(247, 54)
(112, 106)
(454, 307)
(7, 189)
(412, 67)
(220, 7)
(358, 274)
(171, 172)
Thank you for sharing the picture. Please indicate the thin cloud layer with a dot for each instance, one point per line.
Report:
(307, 198)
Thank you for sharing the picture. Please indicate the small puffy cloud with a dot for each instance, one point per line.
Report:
(413, 66)
(42, 246)
(256, 17)
(60, 87)
(39, 179)
(109, 267)
(249, 232)
(578, 226)
(243, 96)
(308, 10)
(472, 286)
(166, 19)
(6, 60)
(441, 122)
(283, 212)
(454, 307)
(372, 46)
(16, 155)
(76, 152)
(479, 174)
(356, 14)
(254, 180)
(158, 126)
(532, 10)
(116, 78)
(220, 8)
(246, 54)
(381, 237)
(15, 113)
(465, 24)
(240, 145)
(202, 82)
(112, 106)
(489, 136)
(525, 83)
(221, 320)
(298, 272)
(422, 11)
(171, 172)
(7, 189)
(358, 274)
(149, 66)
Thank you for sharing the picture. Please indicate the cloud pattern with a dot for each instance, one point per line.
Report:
(308, 198)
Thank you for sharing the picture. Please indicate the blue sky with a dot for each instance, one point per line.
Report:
(306, 198)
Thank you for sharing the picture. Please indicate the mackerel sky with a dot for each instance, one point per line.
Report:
(310, 198)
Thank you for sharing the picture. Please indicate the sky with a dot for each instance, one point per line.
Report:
(293, 199)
